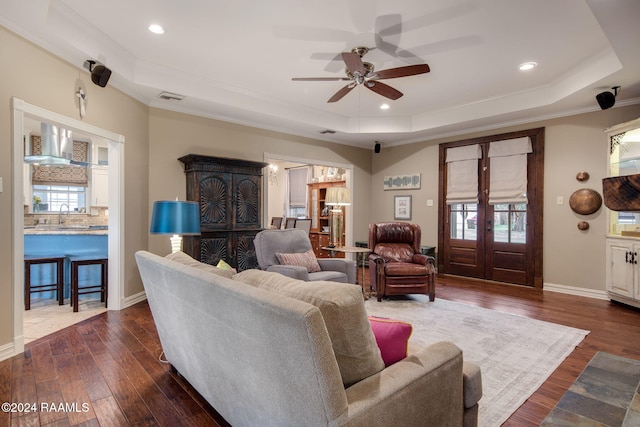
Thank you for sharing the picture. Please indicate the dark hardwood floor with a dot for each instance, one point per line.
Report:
(110, 362)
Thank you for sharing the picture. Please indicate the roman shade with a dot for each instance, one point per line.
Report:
(298, 179)
(61, 175)
(508, 170)
(462, 174)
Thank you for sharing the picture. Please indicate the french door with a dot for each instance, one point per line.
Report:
(489, 239)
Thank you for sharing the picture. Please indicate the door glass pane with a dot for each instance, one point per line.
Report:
(463, 221)
(519, 227)
(510, 223)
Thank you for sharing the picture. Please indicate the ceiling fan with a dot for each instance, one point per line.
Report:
(362, 73)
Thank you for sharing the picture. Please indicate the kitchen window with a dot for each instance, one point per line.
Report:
(52, 197)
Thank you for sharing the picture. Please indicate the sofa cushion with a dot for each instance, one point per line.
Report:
(392, 337)
(185, 259)
(405, 269)
(302, 259)
(342, 308)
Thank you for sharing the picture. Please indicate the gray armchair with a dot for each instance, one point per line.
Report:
(269, 242)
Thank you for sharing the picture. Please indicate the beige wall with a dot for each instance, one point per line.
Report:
(41, 79)
(173, 135)
(572, 144)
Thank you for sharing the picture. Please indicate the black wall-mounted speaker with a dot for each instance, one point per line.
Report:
(605, 100)
(376, 148)
(100, 75)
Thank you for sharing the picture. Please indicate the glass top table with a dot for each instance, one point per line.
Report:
(354, 250)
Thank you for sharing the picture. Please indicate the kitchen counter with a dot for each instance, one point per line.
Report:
(66, 229)
(69, 242)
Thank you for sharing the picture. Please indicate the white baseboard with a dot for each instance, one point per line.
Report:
(134, 299)
(572, 290)
(7, 351)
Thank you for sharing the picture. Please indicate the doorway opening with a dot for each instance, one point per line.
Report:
(112, 155)
(276, 191)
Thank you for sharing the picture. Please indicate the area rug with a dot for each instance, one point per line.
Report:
(516, 354)
(605, 393)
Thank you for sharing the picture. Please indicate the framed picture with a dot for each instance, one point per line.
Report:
(402, 182)
(402, 207)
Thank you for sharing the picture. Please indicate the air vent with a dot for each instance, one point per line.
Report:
(325, 131)
(170, 96)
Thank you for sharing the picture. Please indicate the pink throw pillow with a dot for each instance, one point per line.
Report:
(392, 337)
(303, 259)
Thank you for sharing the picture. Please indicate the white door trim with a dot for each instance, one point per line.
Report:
(20, 110)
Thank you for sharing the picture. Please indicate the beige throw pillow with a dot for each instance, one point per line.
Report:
(342, 308)
(301, 259)
(185, 259)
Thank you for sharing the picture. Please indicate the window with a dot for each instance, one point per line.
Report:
(463, 221)
(298, 178)
(510, 223)
(52, 197)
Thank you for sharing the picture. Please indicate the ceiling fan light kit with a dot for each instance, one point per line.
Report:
(363, 73)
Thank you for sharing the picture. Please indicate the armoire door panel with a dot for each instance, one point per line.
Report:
(247, 190)
(213, 249)
(215, 202)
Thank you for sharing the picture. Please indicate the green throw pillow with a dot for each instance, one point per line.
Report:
(222, 264)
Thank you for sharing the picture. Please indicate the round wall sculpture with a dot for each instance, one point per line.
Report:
(582, 176)
(583, 225)
(585, 201)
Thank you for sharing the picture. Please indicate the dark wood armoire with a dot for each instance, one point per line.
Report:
(229, 192)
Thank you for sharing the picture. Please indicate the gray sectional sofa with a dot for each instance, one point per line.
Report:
(267, 350)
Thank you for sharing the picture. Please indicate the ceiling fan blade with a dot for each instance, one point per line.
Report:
(409, 70)
(353, 62)
(384, 90)
(320, 79)
(341, 93)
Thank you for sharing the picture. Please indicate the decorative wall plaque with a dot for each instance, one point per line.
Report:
(582, 176)
(585, 201)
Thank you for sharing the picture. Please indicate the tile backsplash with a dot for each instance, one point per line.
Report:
(95, 215)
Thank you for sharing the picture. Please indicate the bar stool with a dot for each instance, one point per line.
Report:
(57, 287)
(102, 287)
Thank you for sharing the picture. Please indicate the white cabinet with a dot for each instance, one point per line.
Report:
(99, 186)
(624, 161)
(622, 270)
(622, 243)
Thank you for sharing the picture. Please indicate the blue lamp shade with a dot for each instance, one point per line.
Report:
(175, 217)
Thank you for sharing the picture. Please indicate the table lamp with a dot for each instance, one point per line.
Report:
(336, 197)
(178, 218)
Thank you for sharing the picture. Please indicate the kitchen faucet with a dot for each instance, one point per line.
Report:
(60, 221)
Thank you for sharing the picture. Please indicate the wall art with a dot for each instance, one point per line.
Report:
(402, 182)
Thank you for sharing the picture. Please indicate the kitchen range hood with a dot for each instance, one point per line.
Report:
(57, 148)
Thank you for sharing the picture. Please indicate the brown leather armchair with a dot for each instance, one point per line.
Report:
(396, 265)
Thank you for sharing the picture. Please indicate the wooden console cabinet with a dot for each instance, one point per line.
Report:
(319, 233)
(229, 192)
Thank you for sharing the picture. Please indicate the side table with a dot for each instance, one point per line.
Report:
(354, 250)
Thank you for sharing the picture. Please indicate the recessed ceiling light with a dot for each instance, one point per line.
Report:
(384, 107)
(156, 29)
(528, 66)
